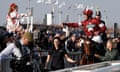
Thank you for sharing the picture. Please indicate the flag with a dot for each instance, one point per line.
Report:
(71, 6)
(80, 6)
(55, 2)
(40, 1)
(48, 2)
(61, 5)
(90, 7)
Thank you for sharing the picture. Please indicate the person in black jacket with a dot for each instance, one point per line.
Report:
(57, 53)
(71, 43)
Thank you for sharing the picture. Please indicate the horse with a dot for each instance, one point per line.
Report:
(88, 55)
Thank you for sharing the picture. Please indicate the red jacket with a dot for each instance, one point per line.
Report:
(74, 25)
(88, 27)
(93, 25)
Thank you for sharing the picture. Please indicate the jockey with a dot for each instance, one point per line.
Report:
(101, 25)
(91, 26)
(87, 25)
(13, 18)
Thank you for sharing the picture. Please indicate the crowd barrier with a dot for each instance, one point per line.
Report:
(108, 66)
(43, 54)
(5, 65)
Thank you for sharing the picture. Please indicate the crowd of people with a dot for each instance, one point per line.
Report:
(23, 46)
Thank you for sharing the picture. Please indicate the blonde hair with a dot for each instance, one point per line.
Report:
(110, 44)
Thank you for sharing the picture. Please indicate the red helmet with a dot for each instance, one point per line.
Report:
(88, 12)
(12, 5)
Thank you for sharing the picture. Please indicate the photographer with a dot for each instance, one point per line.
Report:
(20, 53)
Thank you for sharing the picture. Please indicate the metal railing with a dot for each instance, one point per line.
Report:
(5, 65)
(96, 67)
(108, 66)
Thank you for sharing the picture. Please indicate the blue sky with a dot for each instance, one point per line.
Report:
(111, 8)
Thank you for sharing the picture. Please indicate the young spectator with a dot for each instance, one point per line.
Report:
(111, 52)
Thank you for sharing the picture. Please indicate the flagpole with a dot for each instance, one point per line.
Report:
(105, 17)
(79, 17)
(60, 15)
(29, 11)
(31, 20)
(52, 12)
